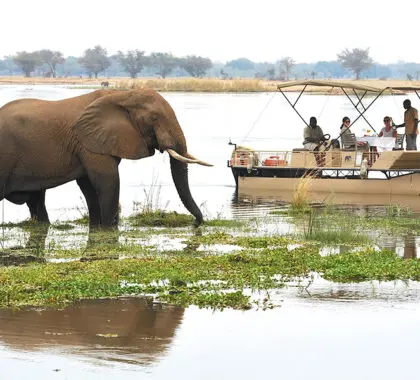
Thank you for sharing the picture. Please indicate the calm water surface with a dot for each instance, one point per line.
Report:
(328, 331)
(364, 331)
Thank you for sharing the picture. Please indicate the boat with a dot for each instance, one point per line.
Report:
(342, 175)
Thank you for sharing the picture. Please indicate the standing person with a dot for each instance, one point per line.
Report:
(312, 135)
(411, 121)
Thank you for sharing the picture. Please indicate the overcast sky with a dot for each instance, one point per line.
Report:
(222, 30)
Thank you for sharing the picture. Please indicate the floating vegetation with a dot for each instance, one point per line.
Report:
(73, 264)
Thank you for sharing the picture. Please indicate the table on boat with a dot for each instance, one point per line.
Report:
(381, 143)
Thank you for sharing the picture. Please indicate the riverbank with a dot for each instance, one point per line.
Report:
(193, 84)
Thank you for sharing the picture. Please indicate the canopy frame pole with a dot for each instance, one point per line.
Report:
(303, 90)
(360, 99)
(361, 114)
(293, 105)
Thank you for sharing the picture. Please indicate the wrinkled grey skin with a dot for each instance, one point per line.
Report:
(44, 144)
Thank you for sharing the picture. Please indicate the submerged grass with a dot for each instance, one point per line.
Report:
(159, 218)
(207, 281)
(126, 262)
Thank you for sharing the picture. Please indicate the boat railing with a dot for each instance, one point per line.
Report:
(301, 158)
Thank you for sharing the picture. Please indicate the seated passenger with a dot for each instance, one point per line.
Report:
(389, 130)
(345, 130)
(313, 135)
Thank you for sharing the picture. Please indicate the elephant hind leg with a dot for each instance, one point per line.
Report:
(35, 201)
(36, 205)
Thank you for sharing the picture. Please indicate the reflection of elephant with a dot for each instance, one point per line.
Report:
(44, 144)
(126, 329)
(33, 251)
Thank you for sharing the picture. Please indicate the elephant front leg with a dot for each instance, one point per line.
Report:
(92, 201)
(109, 195)
(104, 178)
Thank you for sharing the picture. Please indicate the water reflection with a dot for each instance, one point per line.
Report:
(30, 251)
(123, 330)
(410, 247)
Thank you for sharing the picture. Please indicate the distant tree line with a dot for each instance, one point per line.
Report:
(95, 61)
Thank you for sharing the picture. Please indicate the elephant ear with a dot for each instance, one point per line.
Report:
(105, 127)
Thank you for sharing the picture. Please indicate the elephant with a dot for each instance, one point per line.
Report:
(44, 144)
(105, 84)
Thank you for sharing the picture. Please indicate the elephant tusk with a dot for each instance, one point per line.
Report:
(188, 155)
(181, 158)
(189, 159)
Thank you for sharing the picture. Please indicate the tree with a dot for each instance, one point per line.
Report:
(164, 63)
(271, 73)
(356, 60)
(195, 66)
(51, 58)
(132, 62)
(95, 60)
(27, 61)
(285, 66)
(241, 64)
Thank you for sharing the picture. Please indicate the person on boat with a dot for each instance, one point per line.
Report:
(345, 130)
(388, 130)
(313, 135)
(411, 121)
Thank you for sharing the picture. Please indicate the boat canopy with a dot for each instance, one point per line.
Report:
(351, 85)
(359, 91)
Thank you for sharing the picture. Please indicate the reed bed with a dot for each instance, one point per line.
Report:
(198, 85)
(188, 84)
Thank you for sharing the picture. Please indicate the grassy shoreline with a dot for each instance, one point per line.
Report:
(192, 84)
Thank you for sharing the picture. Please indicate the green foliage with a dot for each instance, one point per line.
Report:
(52, 59)
(27, 61)
(195, 66)
(158, 218)
(163, 63)
(241, 64)
(132, 61)
(355, 60)
(95, 60)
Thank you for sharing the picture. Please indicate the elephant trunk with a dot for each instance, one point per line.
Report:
(180, 176)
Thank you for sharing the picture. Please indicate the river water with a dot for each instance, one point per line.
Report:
(209, 121)
(327, 331)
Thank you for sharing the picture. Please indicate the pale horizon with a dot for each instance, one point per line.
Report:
(263, 31)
